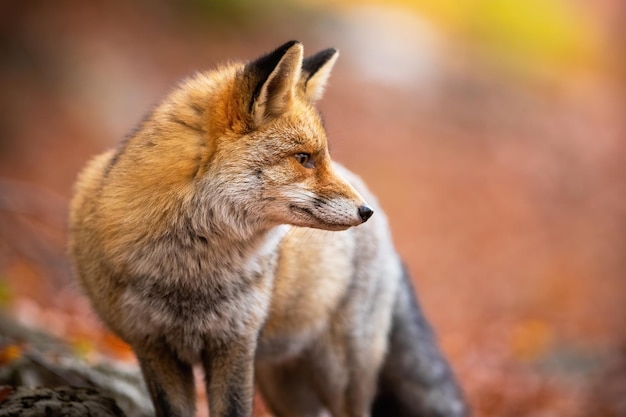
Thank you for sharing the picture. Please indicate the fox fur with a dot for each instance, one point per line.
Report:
(221, 233)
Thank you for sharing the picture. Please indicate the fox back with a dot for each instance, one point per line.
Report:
(220, 232)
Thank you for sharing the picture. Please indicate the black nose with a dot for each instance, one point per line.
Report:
(365, 212)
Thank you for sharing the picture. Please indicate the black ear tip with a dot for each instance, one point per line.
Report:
(290, 44)
(326, 54)
(315, 62)
(282, 49)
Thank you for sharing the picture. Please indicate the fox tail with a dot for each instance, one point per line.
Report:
(416, 380)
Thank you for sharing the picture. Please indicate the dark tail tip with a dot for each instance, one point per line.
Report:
(416, 380)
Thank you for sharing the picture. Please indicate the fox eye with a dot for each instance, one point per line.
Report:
(305, 160)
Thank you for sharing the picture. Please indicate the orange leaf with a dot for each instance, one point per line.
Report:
(9, 354)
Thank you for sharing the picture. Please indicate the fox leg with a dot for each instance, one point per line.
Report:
(229, 373)
(362, 384)
(352, 352)
(345, 374)
(170, 381)
(287, 390)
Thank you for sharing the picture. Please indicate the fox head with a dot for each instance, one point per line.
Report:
(265, 157)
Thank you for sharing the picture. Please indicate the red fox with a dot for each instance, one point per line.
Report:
(221, 233)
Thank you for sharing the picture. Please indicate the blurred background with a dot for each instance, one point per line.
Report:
(492, 131)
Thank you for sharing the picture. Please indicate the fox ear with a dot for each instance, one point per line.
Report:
(274, 77)
(316, 70)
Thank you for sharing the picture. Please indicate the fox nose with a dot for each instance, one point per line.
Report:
(365, 212)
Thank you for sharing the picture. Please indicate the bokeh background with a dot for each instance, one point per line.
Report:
(492, 131)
